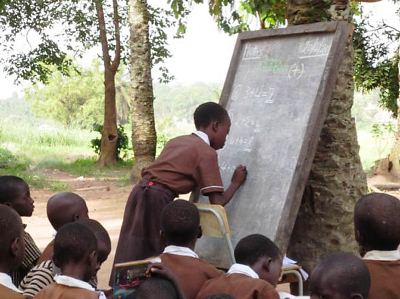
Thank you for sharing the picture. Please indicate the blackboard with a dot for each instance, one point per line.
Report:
(277, 93)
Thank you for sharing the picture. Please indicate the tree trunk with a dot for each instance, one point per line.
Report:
(109, 134)
(144, 137)
(325, 220)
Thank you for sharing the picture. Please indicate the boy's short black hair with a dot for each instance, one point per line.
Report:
(72, 243)
(207, 113)
(68, 202)
(99, 232)
(251, 248)
(220, 296)
(376, 218)
(180, 221)
(10, 228)
(10, 188)
(155, 288)
(344, 272)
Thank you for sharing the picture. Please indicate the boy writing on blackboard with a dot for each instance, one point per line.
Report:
(186, 163)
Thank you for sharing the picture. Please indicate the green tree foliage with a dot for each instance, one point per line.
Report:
(376, 60)
(76, 100)
(235, 16)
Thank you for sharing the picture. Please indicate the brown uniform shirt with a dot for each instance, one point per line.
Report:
(190, 272)
(58, 291)
(6, 293)
(385, 277)
(185, 163)
(238, 286)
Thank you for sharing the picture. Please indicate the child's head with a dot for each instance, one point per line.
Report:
(214, 120)
(340, 276)
(15, 193)
(12, 246)
(102, 237)
(377, 222)
(262, 255)
(75, 247)
(155, 288)
(180, 223)
(220, 296)
(65, 207)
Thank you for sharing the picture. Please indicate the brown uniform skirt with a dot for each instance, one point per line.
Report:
(140, 231)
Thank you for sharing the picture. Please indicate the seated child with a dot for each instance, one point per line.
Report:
(161, 283)
(377, 229)
(180, 228)
(156, 288)
(15, 193)
(63, 208)
(340, 276)
(255, 274)
(43, 274)
(75, 253)
(11, 250)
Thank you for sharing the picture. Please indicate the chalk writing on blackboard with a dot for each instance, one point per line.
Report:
(314, 47)
(252, 52)
(296, 71)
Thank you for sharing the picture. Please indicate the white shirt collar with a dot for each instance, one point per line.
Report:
(76, 283)
(203, 136)
(283, 295)
(179, 250)
(5, 280)
(393, 255)
(242, 269)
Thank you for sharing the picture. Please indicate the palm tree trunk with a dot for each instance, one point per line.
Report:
(143, 128)
(325, 220)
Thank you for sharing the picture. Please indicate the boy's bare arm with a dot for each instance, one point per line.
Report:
(238, 178)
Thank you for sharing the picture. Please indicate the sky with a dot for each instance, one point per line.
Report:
(203, 55)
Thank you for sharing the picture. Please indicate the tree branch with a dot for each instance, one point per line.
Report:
(103, 33)
(117, 58)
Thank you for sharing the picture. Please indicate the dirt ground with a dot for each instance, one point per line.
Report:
(105, 201)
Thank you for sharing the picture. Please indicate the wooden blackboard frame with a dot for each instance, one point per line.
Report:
(343, 31)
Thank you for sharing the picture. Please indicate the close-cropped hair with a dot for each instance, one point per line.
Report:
(68, 202)
(251, 248)
(207, 113)
(10, 188)
(345, 272)
(376, 218)
(220, 296)
(99, 231)
(10, 227)
(155, 288)
(73, 242)
(180, 221)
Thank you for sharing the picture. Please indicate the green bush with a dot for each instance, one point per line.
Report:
(7, 159)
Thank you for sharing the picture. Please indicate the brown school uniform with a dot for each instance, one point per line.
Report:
(47, 253)
(186, 163)
(385, 276)
(6, 293)
(238, 286)
(190, 272)
(58, 291)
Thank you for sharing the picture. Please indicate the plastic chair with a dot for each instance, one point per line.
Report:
(214, 223)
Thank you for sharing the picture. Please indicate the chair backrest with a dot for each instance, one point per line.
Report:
(213, 220)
